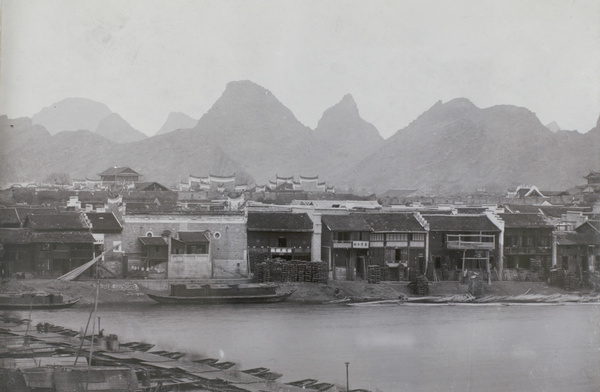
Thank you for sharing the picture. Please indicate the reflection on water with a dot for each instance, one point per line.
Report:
(396, 348)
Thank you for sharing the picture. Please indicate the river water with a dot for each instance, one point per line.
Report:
(389, 348)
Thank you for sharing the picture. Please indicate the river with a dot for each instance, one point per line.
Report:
(391, 348)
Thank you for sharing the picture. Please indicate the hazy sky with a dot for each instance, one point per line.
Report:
(147, 58)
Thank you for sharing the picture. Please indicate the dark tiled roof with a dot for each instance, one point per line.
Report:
(397, 193)
(103, 222)
(579, 239)
(153, 241)
(470, 210)
(464, 223)
(25, 211)
(279, 221)
(393, 222)
(63, 237)
(150, 186)
(436, 212)
(111, 171)
(15, 236)
(192, 237)
(525, 221)
(523, 208)
(92, 197)
(65, 221)
(9, 217)
(550, 211)
(558, 211)
(592, 226)
(345, 223)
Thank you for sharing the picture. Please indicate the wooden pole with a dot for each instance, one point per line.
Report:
(94, 323)
(462, 272)
(347, 380)
(487, 260)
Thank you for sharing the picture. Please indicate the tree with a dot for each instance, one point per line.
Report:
(59, 178)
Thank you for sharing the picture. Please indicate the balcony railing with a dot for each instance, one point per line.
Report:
(342, 244)
(523, 250)
(470, 241)
(350, 244)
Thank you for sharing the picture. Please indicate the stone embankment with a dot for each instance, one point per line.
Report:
(126, 291)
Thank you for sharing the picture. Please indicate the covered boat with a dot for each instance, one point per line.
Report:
(221, 294)
(34, 300)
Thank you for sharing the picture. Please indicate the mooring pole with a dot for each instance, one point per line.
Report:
(347, 384)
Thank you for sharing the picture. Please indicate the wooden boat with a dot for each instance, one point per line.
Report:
(221, 294)
(384, 302)
(35, 300)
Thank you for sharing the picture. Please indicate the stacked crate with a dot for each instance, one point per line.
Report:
(476, 285)
(535, 264)
(420, 286)
(571, 282)
(291, 271)
(374, 274)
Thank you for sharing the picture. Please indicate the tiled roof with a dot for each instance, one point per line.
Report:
(192, 237)
(67, 221)
(345, 223)
(550, 211)
(592, 226)
(9, 218)
(471, 210)
(525, 221)
(279, 221)
(111, 171)
(463, 223)
(394, 222)
(62, 237)
(150, 186)
(436, 212)
(578, 239)
(15, 236)
(523, 208)
(397, 193)
(153, 241)
(103, 222)
(93, 197)
(24, 211)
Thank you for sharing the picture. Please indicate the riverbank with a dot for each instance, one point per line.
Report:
(128, 291)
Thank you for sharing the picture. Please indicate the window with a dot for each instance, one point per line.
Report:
(343, 236)
(401, 254)
(282, 242)
(543, 241)
(217, 235)
(118, 248)
(149, 234)
(397, 237)
(418, 237)
(376, 237)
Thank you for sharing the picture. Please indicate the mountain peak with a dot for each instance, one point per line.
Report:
(343, 122)
(71, 114)
(245, 102)
(553, 126)
(460, 103)
(115, 128)
(245, 87)
(348, 99)
(175, 121)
